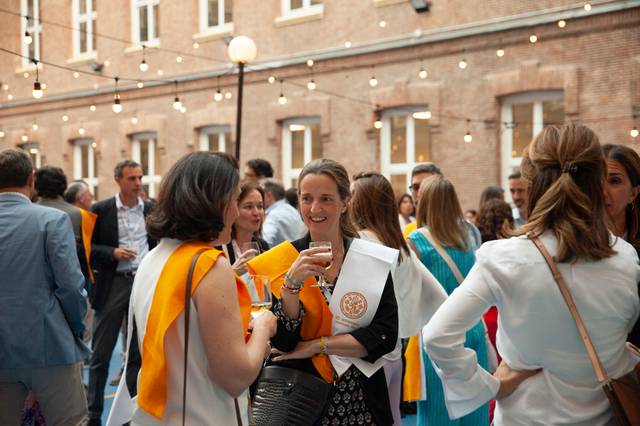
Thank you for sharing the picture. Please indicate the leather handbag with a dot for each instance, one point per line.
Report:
(286, 396)
(624, 392)
(187, 311)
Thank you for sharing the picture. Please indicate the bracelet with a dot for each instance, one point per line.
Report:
(324, 345)
(291, 283)
(289, 289)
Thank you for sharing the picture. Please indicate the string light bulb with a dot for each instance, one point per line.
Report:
(177, 105)
(562, 23)
(196, 45)
(423, 72)
(533, 38)
(309, 62)
(373, 81)
(5, 87)
(282, 100)
(467, 137)
(500, 52)
(140, 85)
(81, 131)
(37, 87)
(76, 74)
(271, 79)
(587, 6)
(462, 64)
(92, 108)
(65, 117)
(1, 134)
(218, 96)
(25, 74)
(378, 123)
(228, 95)
(143, 64)
(311, 85)
(347, 44)
(24, 138)
(634, 132)
(35, 127)
(179, 59)
(10, 97)
(382, 24)
(160, 72)
(117, 106)
(183, 109)
(28, 39)
(134, 120)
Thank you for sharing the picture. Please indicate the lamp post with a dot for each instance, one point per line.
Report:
(242, 50)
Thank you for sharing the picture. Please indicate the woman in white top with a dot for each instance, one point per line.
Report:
(196, 207)
(418, 293)
(546, 377)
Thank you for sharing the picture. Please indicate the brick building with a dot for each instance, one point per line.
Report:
(484, 76)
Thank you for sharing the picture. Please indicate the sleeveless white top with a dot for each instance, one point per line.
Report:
(207, 403)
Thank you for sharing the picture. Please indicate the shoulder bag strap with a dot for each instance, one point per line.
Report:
(443, 254)
(601, 374)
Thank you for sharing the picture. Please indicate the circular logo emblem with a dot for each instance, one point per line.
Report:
(353, 305)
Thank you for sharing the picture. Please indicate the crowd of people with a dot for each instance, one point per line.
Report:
(375, 300)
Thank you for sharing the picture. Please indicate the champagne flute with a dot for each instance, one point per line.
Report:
(252, 245)
(261, 298)
(326, 263)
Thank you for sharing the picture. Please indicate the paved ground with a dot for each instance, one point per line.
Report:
(114, 369)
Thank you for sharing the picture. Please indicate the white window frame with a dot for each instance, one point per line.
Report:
(88, 18)
(152, 178)
(387, 168)
(306, 6)
(29, 147)
(204, 18)
(509, 164)
(288, 172)
(219, 130)
(35, 30)
(92, 178)
(153, 39)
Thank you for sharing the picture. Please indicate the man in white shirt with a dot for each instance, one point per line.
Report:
(520, 195)
(282, 221)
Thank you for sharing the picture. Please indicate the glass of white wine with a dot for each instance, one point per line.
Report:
(326, 261)
(261, 298)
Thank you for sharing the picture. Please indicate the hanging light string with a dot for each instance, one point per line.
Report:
(113, 38)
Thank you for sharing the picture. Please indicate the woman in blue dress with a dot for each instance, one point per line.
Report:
(441, 227)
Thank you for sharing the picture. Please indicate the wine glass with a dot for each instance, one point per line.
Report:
(325, 261)
(252, 245)
(261, 298)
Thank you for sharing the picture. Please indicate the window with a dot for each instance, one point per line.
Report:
(215, 14)
(85, 164)
(145, 21)
(301, 143)
(524, 115)
(84, 19)
(405, 140)
(143, 150)
(216, 138)
(33, 27)
(289, 6)
(33, 149)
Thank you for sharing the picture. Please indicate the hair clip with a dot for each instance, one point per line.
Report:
(569, 168)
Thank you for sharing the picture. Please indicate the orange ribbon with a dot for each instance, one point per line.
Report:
(88, 223)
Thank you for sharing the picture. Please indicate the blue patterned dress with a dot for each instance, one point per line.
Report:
(433, 411)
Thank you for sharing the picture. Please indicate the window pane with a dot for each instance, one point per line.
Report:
(83, 6)
(83, 36)
(316, 141)
(212, 140)
(228, 7)
(145, 188)
(399, 184)
(156, 22)
(32, 49)
(84, 160)
(523, 130)
(95, 192)
(156, 157)
(30, 7)
(95, 163)
(94, 44)
(142, 14)
(294, 183)
(297, 148)
(316, 2)
(398, 139)
(423, 141)
(296, 4)
(553, 112)
(230, 146)
(144, 156)
(213, 13)
(93, 5)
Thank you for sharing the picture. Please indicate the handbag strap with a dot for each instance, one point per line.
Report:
(187, 312)
(443, 254)
(598, 368)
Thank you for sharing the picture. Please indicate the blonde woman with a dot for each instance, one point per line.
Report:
(566, 169)
(442, 244)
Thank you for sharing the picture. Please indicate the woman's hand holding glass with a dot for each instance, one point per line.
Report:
(310, 263)
(249, 251)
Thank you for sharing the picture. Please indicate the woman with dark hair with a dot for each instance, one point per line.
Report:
(406, 210)
(247, 228)
(490, 193)
(196, 207)
(545, 376)
(315, 339)
(418, 293)
(443, 245)
(622, 203)
(495, 220)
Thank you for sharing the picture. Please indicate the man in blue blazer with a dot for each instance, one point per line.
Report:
(42, 304)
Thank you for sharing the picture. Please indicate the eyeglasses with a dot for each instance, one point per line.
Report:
(414, 187)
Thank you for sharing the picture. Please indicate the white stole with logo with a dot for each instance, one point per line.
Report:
(357, 295)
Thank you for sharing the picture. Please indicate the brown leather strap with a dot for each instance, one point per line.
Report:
(187, 311)
(443, 254)
(598, 368)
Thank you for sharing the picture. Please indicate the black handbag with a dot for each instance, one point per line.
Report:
(286, 396)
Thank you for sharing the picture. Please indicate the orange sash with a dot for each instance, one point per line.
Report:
(317, 321)
(412, 374)
(88, 223)
(166, 306)
(410, 228)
